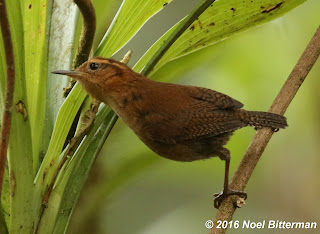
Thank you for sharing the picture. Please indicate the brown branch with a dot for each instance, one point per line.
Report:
(6, 117)
(262, 137)
(86, 39)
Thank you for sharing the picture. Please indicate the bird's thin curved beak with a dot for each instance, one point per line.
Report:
(74, 74)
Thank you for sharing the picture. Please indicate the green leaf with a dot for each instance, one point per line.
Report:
(20, 145)
(50, 162)
(5, 203)
(131, 16)
(117, 179)
(73, 176)
(223, 19)
(60, 48)
(35, 27)
(3, 226)
(60, 112)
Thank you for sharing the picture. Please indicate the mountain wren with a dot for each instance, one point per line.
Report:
(178, 122)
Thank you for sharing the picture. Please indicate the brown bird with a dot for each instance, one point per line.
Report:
(178, 122)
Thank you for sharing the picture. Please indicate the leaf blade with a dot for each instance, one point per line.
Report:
(132, 15)
(20, 146)
(222, 20)
(35, 59)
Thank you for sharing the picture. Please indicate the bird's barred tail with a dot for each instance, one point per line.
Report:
(261, 119)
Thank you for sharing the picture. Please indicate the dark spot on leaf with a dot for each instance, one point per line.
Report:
(30, 6)
(198, 42)
(21, 108)
(200, 24)
(262, 7)
(212, 24)
(272, 8)
(12, 183)
(192, 28)
(44, 175)
(233, 9)
(165, 4)
(40, 29)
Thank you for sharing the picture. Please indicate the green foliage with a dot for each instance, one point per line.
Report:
(223, 19)
(20, 158)
(35, 27)
(62, 29)
(130, 18)
(42, 37)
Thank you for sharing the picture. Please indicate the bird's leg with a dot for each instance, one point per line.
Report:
(219, 197)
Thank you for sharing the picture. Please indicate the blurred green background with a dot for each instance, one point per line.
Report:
(132, 190)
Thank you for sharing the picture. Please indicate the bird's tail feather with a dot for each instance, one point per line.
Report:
(261, 119)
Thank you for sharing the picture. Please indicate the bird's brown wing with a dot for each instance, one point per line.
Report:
(207, 125)
(216, 99)
(184, 126)
(208, 114)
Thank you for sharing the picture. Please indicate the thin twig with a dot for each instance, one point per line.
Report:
(262, 137)
(86, 39)
(6, 118)
(176, 34)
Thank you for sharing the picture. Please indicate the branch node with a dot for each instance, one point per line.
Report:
(240, 202)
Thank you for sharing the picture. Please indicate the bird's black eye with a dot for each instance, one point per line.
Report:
(94, 66)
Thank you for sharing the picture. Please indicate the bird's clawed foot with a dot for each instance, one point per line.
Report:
(219, 197)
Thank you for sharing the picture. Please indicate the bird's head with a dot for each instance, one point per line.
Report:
(100, 75)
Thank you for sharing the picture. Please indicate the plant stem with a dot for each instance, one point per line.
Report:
(87, 32)
(86, 39)
(6, 118)
(262, 137)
